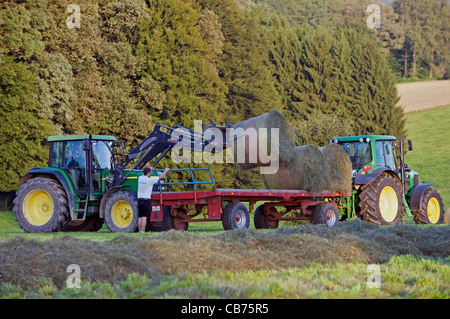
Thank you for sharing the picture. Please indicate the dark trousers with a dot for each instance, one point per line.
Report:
(144, 207)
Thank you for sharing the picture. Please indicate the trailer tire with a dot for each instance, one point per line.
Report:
(41, 206)
(172, 222)
(262, 220)
(235, 215)
(121, 212)
(431, 208)
(326, 213)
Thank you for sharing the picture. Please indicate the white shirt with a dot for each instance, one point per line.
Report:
(145, 186)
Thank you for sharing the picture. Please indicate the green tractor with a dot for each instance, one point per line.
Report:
(384, 188)
(88, 182)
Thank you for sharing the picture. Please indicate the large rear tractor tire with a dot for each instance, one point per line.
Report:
(41, 206)
(431, 208)
(121, 212)
(381, 201)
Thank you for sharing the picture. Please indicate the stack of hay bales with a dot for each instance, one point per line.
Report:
(308, 168)
(270, 120)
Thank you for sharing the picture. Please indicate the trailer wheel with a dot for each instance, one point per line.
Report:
(326, 213)
(431, 208)
(262, 220)
(235, 215)
(172, 222)
(121, 212)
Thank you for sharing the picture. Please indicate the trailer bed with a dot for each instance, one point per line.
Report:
(181, 207)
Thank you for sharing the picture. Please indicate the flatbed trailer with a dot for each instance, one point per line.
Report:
(176, 209)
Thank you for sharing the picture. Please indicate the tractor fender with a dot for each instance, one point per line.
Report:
(416, 196)
(36, 172)
(105, 197)
(363, 179)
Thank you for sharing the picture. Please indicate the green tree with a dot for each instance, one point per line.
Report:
(22, 131)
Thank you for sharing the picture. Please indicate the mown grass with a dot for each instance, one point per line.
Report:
(402, 277)
(430, 133)
(291, 262)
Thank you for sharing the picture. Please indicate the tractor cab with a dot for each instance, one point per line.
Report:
(83, 158)
(369, 152)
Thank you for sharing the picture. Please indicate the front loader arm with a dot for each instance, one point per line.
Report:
(160, 142)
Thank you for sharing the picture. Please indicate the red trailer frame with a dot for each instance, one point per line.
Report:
(182, 207)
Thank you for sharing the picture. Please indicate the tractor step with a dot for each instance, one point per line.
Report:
(80, 213)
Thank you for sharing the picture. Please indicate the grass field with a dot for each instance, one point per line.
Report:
(206, 262)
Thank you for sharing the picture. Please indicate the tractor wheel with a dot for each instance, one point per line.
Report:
(91, 224)
(326, 213)
(263, 221)
(381, 201)
(121, 212)
(172, 222)
(235, 215)
(41, 206)
(431, 208)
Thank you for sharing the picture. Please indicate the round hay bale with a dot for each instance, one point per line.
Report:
(339, 168)
(307, 169)
(271, 120)
(280, 180)
(305, 172)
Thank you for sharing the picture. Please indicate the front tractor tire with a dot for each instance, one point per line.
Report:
(121, 212)
(381, 201)
(41, 206)
(431, 208)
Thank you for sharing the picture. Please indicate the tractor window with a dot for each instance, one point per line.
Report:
(57, 155)
(359, 153)
(101, 154)
(75, 165)
(75, 155)
(385, 154)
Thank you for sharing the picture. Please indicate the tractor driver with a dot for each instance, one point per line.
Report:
(145, 186)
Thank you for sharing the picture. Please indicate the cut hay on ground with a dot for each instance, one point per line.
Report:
(27, 262)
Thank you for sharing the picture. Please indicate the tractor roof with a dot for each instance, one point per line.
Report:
(55, 138)
(371, 137)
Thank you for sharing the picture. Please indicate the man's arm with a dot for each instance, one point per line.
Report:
(163, 173)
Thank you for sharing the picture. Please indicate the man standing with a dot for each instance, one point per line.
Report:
(145, 186)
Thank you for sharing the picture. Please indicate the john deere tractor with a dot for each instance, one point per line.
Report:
(384, 187)
(88, 182)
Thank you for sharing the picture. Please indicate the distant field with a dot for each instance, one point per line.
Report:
(430, 132)
(422, 95)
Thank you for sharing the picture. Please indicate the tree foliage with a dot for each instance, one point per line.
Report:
(134, 63)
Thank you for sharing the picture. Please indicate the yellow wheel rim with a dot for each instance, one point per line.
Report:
(122, 214)
(388, 204)
(433, 210)
(38, 207)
